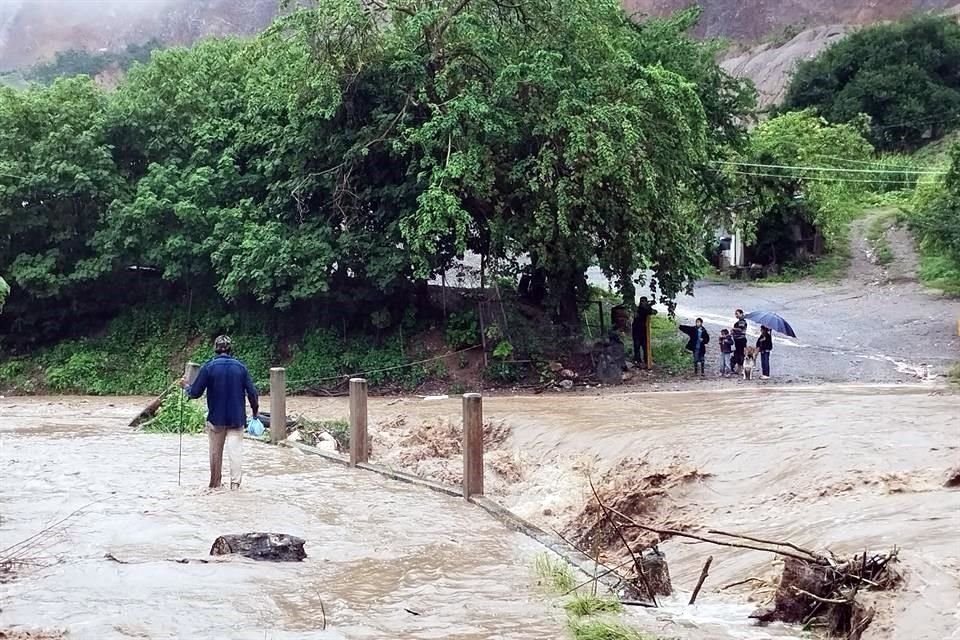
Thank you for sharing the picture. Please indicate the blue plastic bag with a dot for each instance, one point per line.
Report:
(255, 427)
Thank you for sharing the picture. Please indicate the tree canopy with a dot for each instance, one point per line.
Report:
(905, 75)
(356, 148)
(937, 217)
(783, 183)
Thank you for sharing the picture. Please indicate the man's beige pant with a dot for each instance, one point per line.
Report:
(231, 440)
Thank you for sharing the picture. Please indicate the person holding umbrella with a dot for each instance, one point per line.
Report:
(769, 322)
(765, 346)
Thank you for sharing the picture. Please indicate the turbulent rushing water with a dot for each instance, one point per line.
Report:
(376, 548)
(843, 468)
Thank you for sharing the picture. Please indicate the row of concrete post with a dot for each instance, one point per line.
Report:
(359, 440)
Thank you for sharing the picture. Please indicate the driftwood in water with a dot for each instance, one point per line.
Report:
(150, 411)
(274, 547)
(827, 591)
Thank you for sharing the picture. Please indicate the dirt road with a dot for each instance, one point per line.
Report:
(877, 324)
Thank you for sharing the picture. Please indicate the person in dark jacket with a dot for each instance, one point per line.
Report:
(726, 352)
(765, 346)
(697, 344)
(739, 341)
(644, 311)
(226, 381)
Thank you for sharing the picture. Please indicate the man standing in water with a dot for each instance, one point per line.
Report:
(226, 381)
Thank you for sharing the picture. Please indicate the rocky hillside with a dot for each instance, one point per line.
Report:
(34, 30)
(753, 21)
(790, 30)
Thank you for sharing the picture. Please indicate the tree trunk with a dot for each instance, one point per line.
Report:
(274, 547)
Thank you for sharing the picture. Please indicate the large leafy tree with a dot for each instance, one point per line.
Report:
(535, 128)
(905, 75)
(56, 177)
(783, 183)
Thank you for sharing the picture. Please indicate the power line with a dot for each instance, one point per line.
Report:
(868, 162)
(825, 178)
(836, 169)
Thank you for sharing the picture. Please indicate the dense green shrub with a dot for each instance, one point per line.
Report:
(905, 75)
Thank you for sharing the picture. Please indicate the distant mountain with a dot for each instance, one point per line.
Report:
(771, 35)
(32, 31)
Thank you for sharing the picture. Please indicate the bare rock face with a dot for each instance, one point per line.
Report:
(770, 67)
(759, 20)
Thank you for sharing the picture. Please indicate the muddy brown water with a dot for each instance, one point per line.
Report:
(839, 468)
(376, 548)
(843, 468)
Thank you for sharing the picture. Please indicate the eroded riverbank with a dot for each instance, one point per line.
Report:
(844, 468)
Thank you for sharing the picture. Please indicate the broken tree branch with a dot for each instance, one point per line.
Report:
(762, 541)
(703, 576)
(682, 534)
(640, 572)
(743, 582)
(818, 598)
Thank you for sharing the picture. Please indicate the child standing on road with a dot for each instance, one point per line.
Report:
(726, 353)
(765, 346)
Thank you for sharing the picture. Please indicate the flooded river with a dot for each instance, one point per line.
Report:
(839, 468)
(844, 468)
(385, 559)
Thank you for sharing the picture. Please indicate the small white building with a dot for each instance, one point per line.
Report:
(731, 248)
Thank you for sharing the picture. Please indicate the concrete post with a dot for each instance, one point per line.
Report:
(472, 445)
(358, 421)
(190, 371)
(278, 405)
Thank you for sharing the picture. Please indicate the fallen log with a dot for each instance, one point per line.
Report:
(272, 547)
(150, 411)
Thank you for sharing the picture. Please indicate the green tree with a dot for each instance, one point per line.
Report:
(937, 220)
(781, 187)
(56, 178)
(537, 131)
(905, 75)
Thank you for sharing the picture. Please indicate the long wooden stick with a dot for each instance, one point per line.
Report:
(703, 576)
(762, 541)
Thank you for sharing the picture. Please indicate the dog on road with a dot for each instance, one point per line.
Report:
(749, 362)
